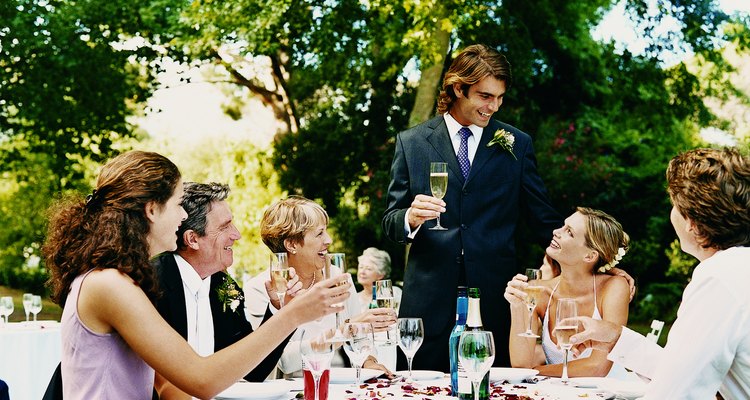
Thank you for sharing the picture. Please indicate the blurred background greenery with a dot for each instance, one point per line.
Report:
(313, 92)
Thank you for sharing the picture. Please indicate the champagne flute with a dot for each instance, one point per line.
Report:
(317, 351)
(476, 352)
(7, 306)
(360, 343)
(384, 298)
(533, 292)
(27, 304)
(566, 308)
(339, 261)
(36, 305)
(438, 186)
(410, 337)
(280, 274)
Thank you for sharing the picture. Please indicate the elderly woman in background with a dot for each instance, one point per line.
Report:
(374, 265)
(298, 226)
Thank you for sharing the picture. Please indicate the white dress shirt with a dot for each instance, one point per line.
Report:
(708, 348)
(472, 143)
(200, 323)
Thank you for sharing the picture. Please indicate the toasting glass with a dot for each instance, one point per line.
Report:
(533, 292)
(279, 274)
(438, 186)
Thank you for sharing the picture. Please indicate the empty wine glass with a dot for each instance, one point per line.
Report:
(410, 337)
(36, 305)
(384, 299)
(360, 343)
(6, 307)
(476, 352)
(316, 350)
(438, 186)
(27, 304)
(566, 308)
(533, 292)
(279, 274)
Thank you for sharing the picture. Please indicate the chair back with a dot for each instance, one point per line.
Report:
(656, 327)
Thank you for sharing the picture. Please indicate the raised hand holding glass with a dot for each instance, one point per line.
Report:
(533, 292)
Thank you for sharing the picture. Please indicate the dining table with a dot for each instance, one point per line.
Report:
(29, 354)
(434, 385)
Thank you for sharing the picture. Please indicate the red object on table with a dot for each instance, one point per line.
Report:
(310, 385)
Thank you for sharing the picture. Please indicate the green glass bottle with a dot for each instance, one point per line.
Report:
(474, 323)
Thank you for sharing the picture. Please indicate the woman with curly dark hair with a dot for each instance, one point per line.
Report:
(98, 252)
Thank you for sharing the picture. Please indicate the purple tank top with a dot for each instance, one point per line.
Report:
(99, 366)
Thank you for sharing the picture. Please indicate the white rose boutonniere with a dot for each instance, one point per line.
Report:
(505, 140)
(229, 294)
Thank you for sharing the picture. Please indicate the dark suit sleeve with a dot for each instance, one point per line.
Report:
(540, 214)
(261, 372)
(399, 196)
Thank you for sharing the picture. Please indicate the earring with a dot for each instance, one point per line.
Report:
(294, 251)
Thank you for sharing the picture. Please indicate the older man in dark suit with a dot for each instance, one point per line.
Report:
(492, 183)
(199, 299)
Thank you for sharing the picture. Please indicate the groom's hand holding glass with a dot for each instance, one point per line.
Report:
(424, 208)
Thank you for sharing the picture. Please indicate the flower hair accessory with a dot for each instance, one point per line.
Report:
(606, 267)
(505, 140)
(229, 294)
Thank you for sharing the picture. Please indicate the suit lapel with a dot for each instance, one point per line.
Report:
(176, 293)
(483, 153)
(438, 137)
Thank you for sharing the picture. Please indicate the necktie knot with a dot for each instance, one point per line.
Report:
(465, 133)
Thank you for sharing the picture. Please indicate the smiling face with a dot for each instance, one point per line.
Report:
(479, 103)
(368, 272)
(165, 219)
(214, 251)
(310, 255)
(568, 245)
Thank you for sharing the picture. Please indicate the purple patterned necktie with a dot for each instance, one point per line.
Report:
(463, 152)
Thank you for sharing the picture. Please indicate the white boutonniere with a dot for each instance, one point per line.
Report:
(505, 140)
(229, 294)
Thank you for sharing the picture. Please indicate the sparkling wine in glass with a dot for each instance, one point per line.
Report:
(384, 299)
(316, 350)
(410, 337)
(476, 353)
(438, 186)
(27, 304)
(6, 305)
(337, 260)
(566, 309)
(533, 293)
(360, 343)
(36, 305)
(280, 274)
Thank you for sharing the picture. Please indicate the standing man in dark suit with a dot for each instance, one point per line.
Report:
(492, 183)
(199, 299)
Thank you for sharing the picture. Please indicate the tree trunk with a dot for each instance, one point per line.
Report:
(432, 73)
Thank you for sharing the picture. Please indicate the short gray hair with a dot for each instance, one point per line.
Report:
(197, 202)
(380, 258)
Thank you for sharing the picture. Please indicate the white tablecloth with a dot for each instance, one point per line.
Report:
(29, 354)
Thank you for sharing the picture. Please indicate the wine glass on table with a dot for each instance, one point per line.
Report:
(476, 353)
(533, 292)
(360, 343)
(280, 274)
(438, 186)
(566, 309)
(316, 350)
(410, 337)
(6, 306)
(337, 260)
(27, 304)
(36, 305)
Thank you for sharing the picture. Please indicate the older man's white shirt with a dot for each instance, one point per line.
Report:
(200, 323)
(708, 348)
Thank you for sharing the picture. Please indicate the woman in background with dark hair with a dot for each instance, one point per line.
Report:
(98, 252)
